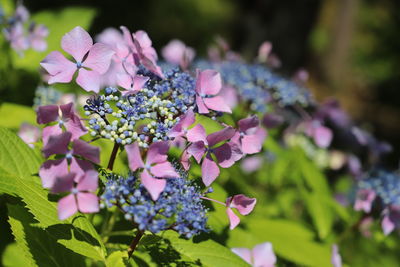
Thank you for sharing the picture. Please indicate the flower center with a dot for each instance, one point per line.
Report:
(79, 64)
(74, 191)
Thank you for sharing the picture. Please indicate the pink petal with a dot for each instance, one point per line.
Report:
(197, 150)
(52, 168)
(87, 202)
(336, 259)
(263, 255)
(244, 253)
(75, 127)
(197, 133)
(164, 170)
(143, 38)
(46, 114)
(132, 85)
(185, 121)
(251, 164)
(29, 134)
(208, 82)
(252, 144)
(87, 151)
(99, 58)
(127, 36)
(217, 103)
(243, 204)
(50, 131)
(323, 136)
(220, 136)
(230, 96)
(157, 152)
(209, 170)
(89, 80)
(364, 200)
(174, 51)
(89, 182)
(61, 70)
(80, 167)
(57, 144)
(67, 207)
(63, 183)
(134, 158)
(153, 185)
(77, 43)
(248, 123)
(387, 225)
(185, 160)
(234, 220)
(201, 106)
(227, 154)
(264, 51)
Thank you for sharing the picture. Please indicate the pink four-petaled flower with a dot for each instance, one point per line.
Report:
(244, 206)
(250, 136)
(262, 255)
(91, 60)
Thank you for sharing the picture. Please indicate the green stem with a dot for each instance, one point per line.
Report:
(114, 152)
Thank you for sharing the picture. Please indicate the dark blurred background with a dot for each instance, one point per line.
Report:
(350, 47)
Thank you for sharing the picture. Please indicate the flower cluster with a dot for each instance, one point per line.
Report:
(178, 207)
(21, 34)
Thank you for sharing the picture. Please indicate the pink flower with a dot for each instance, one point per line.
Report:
(29, 134)
(391, 219)
(177, 53)
(81, 198)
(91, 60)
(208, 85)
(16, 36)
(58, 144)
(264, 51)
(251, 164)
(155, 166)
(250, 136)
(364, 200)
(181, 128)
(261, 255)
(244, 206)
(322, 135)
(336, 259)
(37, 33)
(226, 154)
(65, 117)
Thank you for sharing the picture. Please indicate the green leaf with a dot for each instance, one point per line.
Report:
(208, 253)
(210, 125)
(13, 256)
(15, 115)
(59, 23)
(116, 259)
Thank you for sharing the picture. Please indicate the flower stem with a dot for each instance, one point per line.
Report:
(134, 243)
(113, 156)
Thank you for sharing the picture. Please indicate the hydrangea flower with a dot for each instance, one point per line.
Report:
(250, 136)
(321, 135)
(76, 158)
(91, 60)
(182, 127)
(65, 117)
(29, 134)
(155, 166)
(179, 206)
(177, 53)
(336, 259)
(262, 255)
(81, 197)
(364, 200)
(244, 205)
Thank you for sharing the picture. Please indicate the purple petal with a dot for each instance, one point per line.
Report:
(50, 131)
(63, 183)
(82, 148)
(263, 255)
(99, 58)
(197, 133)
(243, 204)
(87, 202)
(220, 136)
(46, 114)
(89, 80)
(75, 127)
(263, 52)
(230, 96)
(57, 144)
(89, 181)
(153, 185)
(157, 152)
(387, 225)
(185, 121)
(234, 220)
(77, 43)
(67, 207)
(323, 136)
(80, 167)
(217, 103)
(209, 170)
(61, 70)
(134, 158)
(244, 253)
(251, 164)
(208, 82)
(197, 150)
(185, 160)
(52, 168)
(227, 154)
(201, 106)
(164, 170)
(364, 200)
(252, 144)
(133, 85)
(248, 124)
(272, 120)
(336, 259)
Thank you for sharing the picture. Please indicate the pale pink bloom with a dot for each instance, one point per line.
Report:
(391, 219)
(82, 197)
(250, 136)
(181, 128)
(321, 135)
(364, 200)
(204, 146)
(29, 134)
(177, 53)
(301, 76)
(91, 60)
(16, 36)
(65, 116)
(155, 166)
(230, 96)
(251, 164)
(208, 85)
(336, 259)
(244, 205)
(58, 145)
(262, 255)
(264, 51)
(36, 37)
